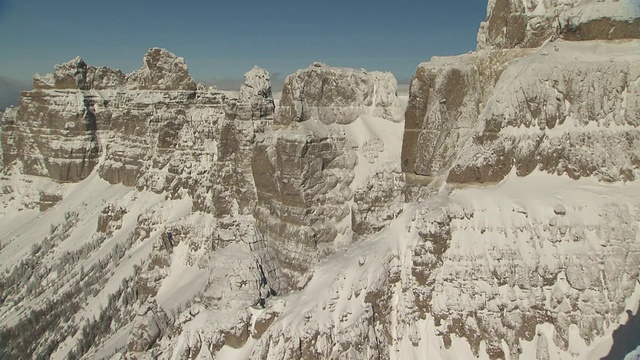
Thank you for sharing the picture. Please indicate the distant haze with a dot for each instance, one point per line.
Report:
(10, 89)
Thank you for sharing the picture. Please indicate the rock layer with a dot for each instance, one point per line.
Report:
(337, 95)
(530, 23)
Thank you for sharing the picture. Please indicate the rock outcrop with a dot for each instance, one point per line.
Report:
(327, 227)
(53, 134)
(478, 116)
(445, 101)
(161, 70)
(514, 110)
(304, 171)
(530, 23)
(337, 95)
(149, 325)
(579, 117)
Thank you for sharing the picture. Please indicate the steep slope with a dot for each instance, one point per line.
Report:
(231, 199)
(145, 216)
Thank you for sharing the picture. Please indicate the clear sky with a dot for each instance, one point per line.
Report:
(221, 40)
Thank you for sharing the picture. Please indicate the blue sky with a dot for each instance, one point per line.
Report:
(223, 39)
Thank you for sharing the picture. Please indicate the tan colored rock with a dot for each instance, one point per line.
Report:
(530, 23)
(578, 117)
(336, 95)
(445, 102)
(161, 70)
(53, 135)
(302, 188)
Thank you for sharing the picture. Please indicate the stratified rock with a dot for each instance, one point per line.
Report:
(337, 95)
(53, 134)
(529, 23)
(9, 150)
(161, 70)
(76, 74)
(445, 102)
(104, 78)
(72, 75)
(579, 117)
(302, 182)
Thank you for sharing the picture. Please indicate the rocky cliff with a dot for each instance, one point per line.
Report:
(495, 215)
(530, 23)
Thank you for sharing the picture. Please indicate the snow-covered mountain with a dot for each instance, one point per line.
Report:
(493, 213)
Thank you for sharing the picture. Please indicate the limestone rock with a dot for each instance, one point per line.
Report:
(579, 117)
(445, 102)
(302, 182)
(72, 75)
(255, 100)
(336, 95)
(529, 23)
(161, 70)
(69, 151)
(104, 78)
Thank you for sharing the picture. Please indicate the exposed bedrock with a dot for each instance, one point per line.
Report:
(577, 118)
(304, 167)
(302, 185)
(564, 109)
(530, 23)
(337, 95)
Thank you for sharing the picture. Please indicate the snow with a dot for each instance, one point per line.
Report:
(334, 297)
(334, 301)
(184, 281)
(377, 142)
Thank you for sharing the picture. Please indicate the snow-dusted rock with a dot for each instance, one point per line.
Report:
(579, 117)
(104, 78)
(68, 150)
(298, 234)
(529, 23)
(337, 95)
(488, 112)
(255, 100)
(302, 182)
(161, 70)
(72, 75)
(150, 324)
(444, 104)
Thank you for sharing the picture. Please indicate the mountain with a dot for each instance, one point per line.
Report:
(492, 213)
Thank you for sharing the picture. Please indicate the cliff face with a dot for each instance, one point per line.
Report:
(477, 117)
(278, 189)
(152, 129)
(498, 216)
(334, 95)
(305, 167)
(529, 23)
(514, 111)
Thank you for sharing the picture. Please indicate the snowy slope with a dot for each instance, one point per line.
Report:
(144, 216)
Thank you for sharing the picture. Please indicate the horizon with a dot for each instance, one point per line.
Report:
(221, 41)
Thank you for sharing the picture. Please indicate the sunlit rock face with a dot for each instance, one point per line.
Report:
(523, 107)
(305, 167)
(497, 214)
(564, 108)
(337, 95)
(530, 23)
(161, 70)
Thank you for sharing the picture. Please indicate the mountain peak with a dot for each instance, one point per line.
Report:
(161, 70)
